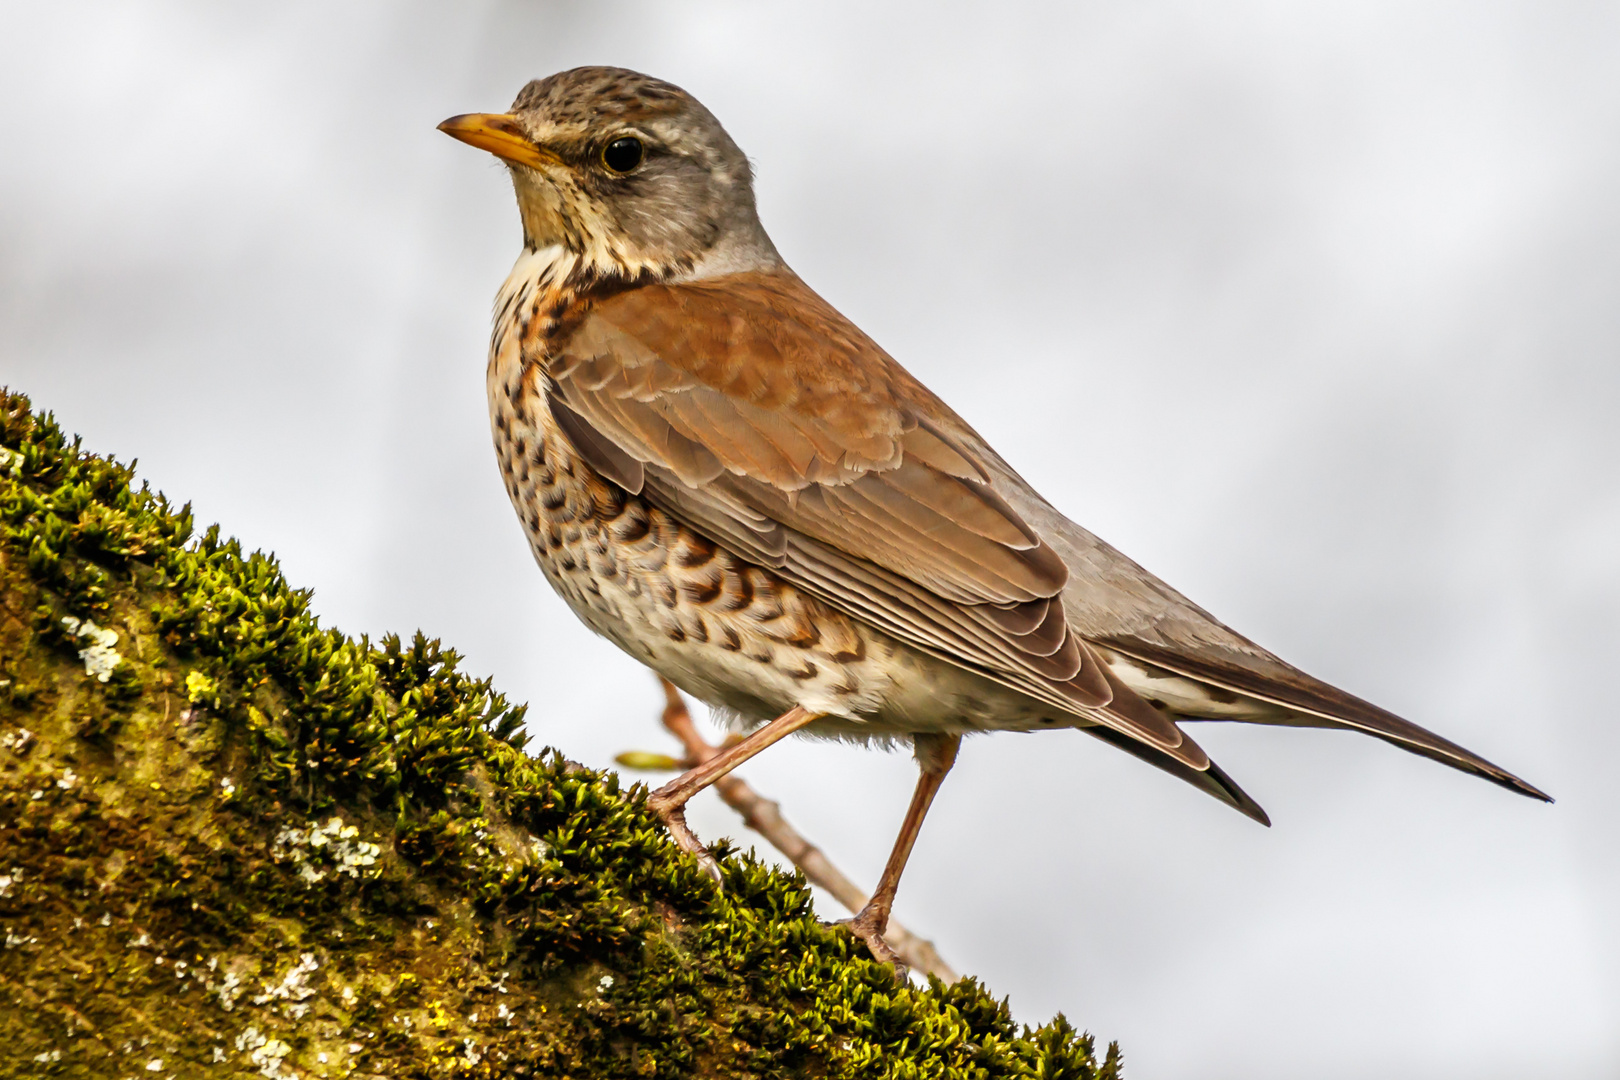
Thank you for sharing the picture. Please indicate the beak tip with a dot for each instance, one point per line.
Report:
(501, 135)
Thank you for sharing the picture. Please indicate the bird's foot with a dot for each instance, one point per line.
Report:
(673, 815)
(869, 927)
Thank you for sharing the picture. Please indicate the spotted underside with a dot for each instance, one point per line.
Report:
(729, 632)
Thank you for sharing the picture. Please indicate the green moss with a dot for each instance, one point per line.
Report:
(263, 848)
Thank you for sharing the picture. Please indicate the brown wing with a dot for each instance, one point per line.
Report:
(749, 408)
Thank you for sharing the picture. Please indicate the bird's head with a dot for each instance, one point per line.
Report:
(629, 173)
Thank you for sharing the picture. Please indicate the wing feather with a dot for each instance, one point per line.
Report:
(753, 412)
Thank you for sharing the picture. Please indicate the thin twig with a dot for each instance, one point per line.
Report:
(764, 816)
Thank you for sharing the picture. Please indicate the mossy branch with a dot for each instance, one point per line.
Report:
(234, 842)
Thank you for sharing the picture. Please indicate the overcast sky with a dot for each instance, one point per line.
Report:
(1312, 309)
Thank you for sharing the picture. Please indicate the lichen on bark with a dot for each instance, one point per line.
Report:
(236, 843)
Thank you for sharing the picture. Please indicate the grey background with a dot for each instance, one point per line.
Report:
(1313, 309)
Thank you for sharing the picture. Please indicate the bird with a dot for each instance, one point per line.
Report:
(724, 476)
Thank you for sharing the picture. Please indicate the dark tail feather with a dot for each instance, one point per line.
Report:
(1212, 780)
(1317, 704)
(1447, 752)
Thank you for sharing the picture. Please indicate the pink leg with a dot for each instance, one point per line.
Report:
(935, 756)
(669, 801)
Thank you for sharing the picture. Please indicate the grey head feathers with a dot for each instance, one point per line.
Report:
(685, 210)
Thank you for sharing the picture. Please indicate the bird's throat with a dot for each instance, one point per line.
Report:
(557, 214)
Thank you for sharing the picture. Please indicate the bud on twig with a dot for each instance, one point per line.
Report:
(647, 761)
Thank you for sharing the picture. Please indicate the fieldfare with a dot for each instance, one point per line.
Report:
(729, 480)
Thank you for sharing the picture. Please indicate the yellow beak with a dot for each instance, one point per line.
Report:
(501, 135)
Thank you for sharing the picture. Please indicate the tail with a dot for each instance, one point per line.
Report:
(1308, 702)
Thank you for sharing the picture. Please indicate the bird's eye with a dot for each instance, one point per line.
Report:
(622, 155)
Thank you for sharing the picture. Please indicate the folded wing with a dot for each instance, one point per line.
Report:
(751, 410)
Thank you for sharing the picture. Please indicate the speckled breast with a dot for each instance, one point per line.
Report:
(729, 632)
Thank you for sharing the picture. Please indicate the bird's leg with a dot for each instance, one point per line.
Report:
(935, 756)
(669, 801)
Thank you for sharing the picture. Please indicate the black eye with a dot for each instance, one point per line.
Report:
(622, 155)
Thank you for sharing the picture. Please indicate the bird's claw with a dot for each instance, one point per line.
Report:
(674, 818)
(866, 928)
